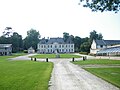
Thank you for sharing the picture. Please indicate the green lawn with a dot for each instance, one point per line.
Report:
(24, 75)
(98, 61)
(19, 54)
(109, 74)
(54, 55)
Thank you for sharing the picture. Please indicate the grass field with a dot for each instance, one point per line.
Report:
(109, 74)
(24, 75)
(98, 61)
(18, 54)
(54, 55)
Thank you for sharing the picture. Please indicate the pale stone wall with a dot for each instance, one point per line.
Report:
(50, 48)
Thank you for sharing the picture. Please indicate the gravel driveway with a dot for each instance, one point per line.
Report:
(67, 76)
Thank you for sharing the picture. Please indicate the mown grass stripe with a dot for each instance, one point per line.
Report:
(54, 56)
(24, 75)
(110, 74)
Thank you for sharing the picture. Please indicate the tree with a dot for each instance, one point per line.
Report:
(7, 32)
(94, 35)
(15, 39)
(71, 38)
(17, 42)
(86, 39)
(4, 40)
(102, 5)
(32, 39)
(77, 42)
(65, 36)
(100, 37)
(85, 47)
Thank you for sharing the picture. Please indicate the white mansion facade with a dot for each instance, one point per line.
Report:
(53, 45)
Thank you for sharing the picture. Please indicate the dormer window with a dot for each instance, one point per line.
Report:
(101, 46)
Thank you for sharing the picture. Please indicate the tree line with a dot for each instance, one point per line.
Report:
(83, 44)
(33, 38)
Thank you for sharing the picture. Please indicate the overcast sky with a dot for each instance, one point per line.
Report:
(53, 17)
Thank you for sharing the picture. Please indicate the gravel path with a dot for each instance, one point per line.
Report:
(67, 76)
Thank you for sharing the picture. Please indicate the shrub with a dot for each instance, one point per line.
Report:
(25, 51)
(86, 53)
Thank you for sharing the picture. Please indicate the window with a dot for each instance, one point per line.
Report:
(59, 46)
(66, 45)
(59, 50)
(55, 46)
(51, 46)
(71, 45)
(71, 50)
(101, 46)
(62, 45)
(48, 46)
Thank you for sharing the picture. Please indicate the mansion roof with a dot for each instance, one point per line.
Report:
(55, 40)
(5, 45)
(107, 42)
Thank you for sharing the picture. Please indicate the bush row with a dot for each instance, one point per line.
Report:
(86, 53)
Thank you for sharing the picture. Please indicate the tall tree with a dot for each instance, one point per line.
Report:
(32, 39)
(77, 42)
(15, 39)
(94, 35)
(72, 38)
(85, 46)
(65, 36)
(17, 42)
(7, 32)
(102, 5)
(5, 40)
(100, 36)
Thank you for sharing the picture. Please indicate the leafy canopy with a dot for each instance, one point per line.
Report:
(31, 39)
(102, 5)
